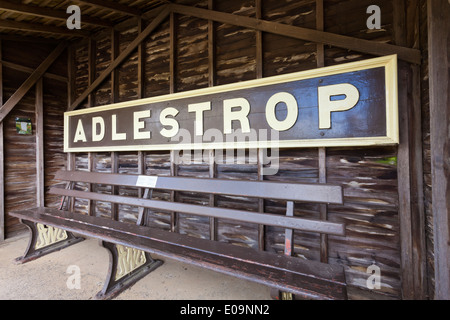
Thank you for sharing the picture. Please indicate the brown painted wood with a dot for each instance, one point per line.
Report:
(115, 41)
(31, 81)
(410, 172)
(309, 279)
(141, 63)
(35, 27)
(114, 6)
(322, 151)
(439, 57)
(237, 215)
(123, 55)
(114, 188)
(319, 193)
(2, 185)
(40, 174)
(21, 68)
(360, 45)
(52, 13)
(2, 157)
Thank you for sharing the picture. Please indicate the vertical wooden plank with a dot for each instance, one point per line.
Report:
(289, 233)
(410, 170)
(141, 169)
(211, 83)
(114, 189)
(39, 112)
(439, 74)
(404, 178)
(323, 208)
(2, 158)
(212, 198)
(259, 41)
(115, 73)
(114, 98)
(173, 173)
(260, 162)
(92, 51)
(288, 243)
(71, 71)
(141, 62)
(320, 26)
(211, 49)
(173, 50)
(2, 184)
(261, 207)
(173, 89)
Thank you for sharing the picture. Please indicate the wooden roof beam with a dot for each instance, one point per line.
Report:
(350, 43)
(51, 13)
(31, 81)
(114, 6)
(35, 27)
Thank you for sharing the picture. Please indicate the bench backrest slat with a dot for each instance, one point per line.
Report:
(238, 215)
(320, 193)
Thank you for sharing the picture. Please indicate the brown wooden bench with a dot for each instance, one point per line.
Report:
(135, 242)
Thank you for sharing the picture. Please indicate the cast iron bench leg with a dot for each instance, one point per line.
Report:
(126, 267)
(44, 240)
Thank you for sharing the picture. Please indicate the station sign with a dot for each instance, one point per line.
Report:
(353, 104)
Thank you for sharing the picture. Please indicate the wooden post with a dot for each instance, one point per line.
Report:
(322, 151)
(115, 48)
(211, 83)
(211, 49)
(2, 159)
(92, 52)
(2, 185)
(409, 168)
(71, 71)
(40, 175)
(259, 75)
(173, 89)
(141, 63)
(439, 57)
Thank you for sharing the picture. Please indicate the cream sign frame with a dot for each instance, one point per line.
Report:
(353, 104)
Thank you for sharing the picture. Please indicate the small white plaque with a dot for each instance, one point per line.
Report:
(146, 181)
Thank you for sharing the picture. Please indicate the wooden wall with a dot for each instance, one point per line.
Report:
(185, 53)
(20, 150)
(369, 175)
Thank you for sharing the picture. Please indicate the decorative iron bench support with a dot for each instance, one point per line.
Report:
(45, 240)
(126, 267)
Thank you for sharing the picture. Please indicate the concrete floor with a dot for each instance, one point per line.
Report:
(46, 278)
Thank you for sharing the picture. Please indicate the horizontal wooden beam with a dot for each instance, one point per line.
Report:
(18, 67)
(320, 193)
(350, 43)
(31, 81)
(124, 54)
(112, 5)
(238, 215)
(36, 27)
(51, 13)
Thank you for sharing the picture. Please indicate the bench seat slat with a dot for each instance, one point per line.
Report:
(309, 279)
(274, 190)
(239, 215)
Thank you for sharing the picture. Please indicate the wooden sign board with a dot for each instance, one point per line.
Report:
(352, 104)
